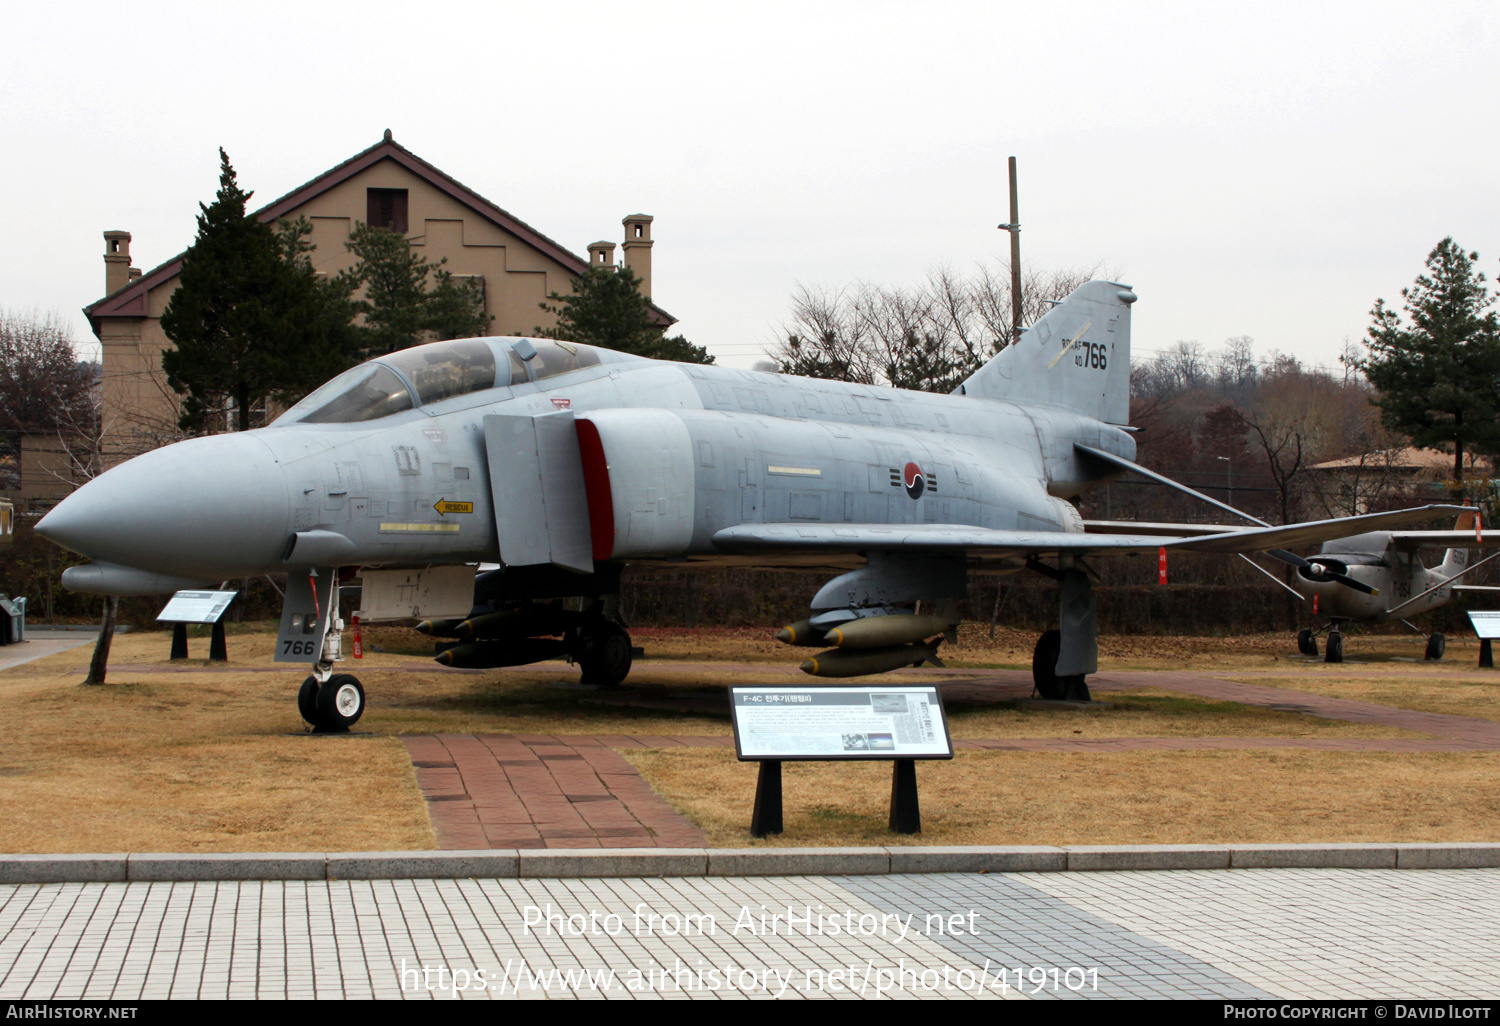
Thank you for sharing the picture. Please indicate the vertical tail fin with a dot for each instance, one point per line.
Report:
(1455, 560)
(1077, 356)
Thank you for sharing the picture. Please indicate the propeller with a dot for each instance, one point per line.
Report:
(1320, 571)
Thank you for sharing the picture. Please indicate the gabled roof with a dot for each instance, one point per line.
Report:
(130, 301)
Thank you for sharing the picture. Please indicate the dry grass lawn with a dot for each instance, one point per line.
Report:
(194, 758)
(1102, 798)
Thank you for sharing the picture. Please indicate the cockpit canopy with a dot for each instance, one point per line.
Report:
(427, 374)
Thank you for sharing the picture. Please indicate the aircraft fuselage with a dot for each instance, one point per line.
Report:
(687, 450)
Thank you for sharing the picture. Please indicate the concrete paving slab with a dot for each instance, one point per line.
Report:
(25, 869)
(1288, 934)
(797, 861)
(978, 859)
(1318, 856)
(1447, 856)
(40, 644)
(1147, 856)
(437, 865)
(245, 866)
(613, 862)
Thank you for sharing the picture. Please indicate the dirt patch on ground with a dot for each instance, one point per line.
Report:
(1458, 695)
(1149, 712)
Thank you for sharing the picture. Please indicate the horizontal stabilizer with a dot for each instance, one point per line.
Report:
(1411, 540)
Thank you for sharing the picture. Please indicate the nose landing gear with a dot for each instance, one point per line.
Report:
(333, 706)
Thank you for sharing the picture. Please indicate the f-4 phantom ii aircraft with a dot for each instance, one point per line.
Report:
(563, 463)
(1379, 577)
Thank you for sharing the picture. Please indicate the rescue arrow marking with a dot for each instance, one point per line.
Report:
(444, 507)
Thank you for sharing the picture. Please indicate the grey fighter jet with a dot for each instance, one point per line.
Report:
(563, 463)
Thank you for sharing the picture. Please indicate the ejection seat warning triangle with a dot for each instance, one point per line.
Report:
(536, 480)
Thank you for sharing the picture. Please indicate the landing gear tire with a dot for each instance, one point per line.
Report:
(1335, 647)
(1307, 642)
(1076, 688)
(1044, 666)
(606, 656)
(307, 700)
(1436, 644)
(341, 702)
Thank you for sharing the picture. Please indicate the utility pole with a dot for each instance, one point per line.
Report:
(1014, 227)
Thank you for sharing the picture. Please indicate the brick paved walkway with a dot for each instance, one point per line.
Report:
(540, 791)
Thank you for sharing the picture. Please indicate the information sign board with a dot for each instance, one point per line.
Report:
(1486, 624)
(197, 606)
(891, 722)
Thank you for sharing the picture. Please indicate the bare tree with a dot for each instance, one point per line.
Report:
(1235, 368)
(928, 336)
(43, 384)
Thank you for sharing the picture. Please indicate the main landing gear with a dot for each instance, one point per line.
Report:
(603, 653)
(1071, 687)
(1307, 642)
(1063, 658)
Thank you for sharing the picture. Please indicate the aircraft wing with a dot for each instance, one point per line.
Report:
(1410, 540)
(948, 538)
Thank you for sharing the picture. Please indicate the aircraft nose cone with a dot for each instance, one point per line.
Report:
(206, 507)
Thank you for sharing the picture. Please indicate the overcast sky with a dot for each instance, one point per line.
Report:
(1251, 169)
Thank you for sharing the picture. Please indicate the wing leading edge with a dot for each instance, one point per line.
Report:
(949, 538)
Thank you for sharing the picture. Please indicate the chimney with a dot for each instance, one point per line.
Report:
(601, 254)
(638, 249)
(116, 261)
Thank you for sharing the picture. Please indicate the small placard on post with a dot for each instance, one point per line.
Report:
(901, 723)
(188, 607)
(196, 606)
(1487, 627)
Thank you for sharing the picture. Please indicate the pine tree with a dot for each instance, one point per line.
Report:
(1439, 378)
(606, 309)
(400, 309)
(250, 319)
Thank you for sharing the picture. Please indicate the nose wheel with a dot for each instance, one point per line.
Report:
(333, 706)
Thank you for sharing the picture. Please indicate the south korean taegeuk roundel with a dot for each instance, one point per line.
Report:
(914, 481)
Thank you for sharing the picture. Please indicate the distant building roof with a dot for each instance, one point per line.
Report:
(1410, 460)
